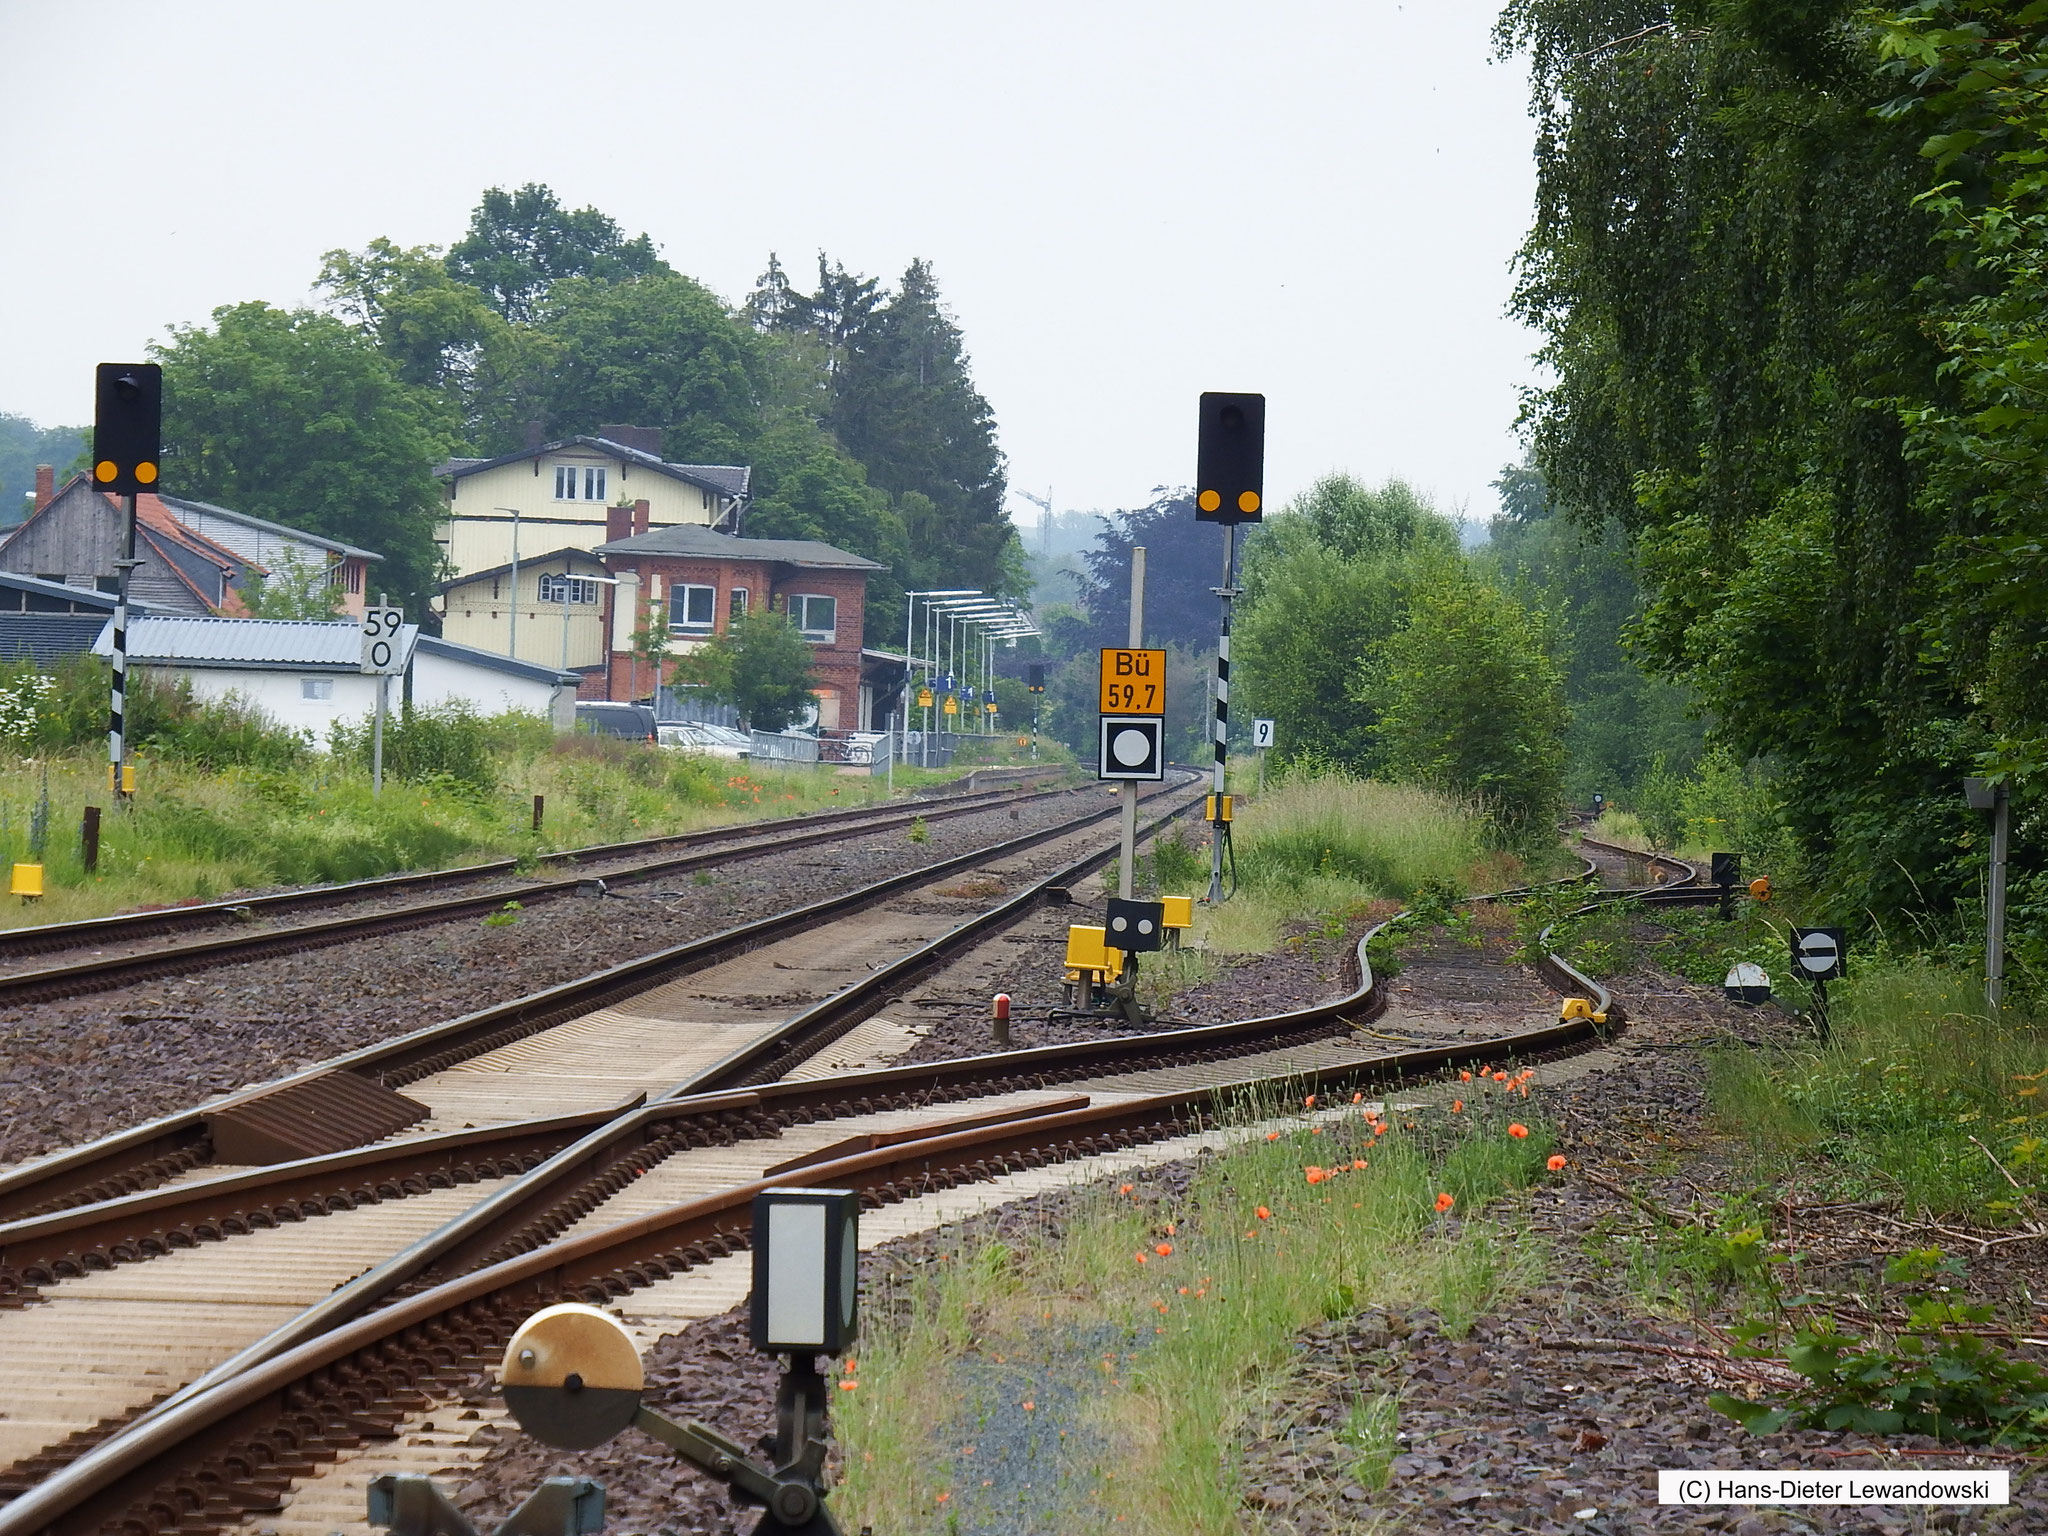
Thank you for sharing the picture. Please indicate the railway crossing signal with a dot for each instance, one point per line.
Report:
(1132, 748)
(127, 427)
(1034, 677)
(1230, 459)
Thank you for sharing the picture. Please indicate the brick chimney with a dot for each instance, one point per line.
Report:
(640, 516)
(46, 486)
(618, 523)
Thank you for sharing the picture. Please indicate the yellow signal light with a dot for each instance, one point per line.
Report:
(146, 472)
(1248, 502)
(1208, 501)
(105, 470)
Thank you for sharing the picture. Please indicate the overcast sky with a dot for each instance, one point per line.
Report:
(1126, 204)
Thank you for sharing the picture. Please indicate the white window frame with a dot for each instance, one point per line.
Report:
(316, 689)
(800, 614)
(580, 589)
(582, 482)
(682, 590)
(736, 605)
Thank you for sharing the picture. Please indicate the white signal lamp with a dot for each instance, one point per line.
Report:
(806, 1271)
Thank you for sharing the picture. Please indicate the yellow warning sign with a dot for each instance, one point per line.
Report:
(1133, 682)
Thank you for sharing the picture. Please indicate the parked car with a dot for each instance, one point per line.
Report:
(711, 740)
(634, 722)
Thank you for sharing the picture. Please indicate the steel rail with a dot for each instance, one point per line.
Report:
(105, 972)
(129, 1161)
(41, 938)
(253, 1432)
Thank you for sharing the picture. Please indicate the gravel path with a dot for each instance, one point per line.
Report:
(84, 1067)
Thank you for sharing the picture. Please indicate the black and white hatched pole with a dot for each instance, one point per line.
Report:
(117, 716)
(1217, 826)
(1230, 488)
(127, 440)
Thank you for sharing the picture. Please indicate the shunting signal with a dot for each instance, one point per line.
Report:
(1230, 459)
(127, 430)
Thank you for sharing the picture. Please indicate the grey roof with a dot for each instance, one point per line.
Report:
(690, 540)
(529, 561)
(268, 527)
(726, 479)
(434, 645)
(47, 638)
(83, 597)
(298, 645)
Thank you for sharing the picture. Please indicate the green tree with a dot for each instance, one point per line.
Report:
(521, 243)
(1624, 719)
(1743, 312)
(1326, 581)
(760, 665)
(1470, 701)
(295, 416)
(294, 589)
(24, 445)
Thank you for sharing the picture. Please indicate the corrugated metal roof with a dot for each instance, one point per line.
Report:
(434, 645)
(175, 503)
(47, 638)
(329, 644)
(689, 540)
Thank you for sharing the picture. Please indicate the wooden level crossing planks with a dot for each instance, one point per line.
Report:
(116, 1340)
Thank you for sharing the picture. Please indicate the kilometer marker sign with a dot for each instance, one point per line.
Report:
(1133, 682)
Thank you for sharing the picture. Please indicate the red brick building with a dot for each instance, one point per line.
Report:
(697, 581)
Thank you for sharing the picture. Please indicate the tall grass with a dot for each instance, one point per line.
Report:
(1331, 845)
(1908, 1100)
(196, 833)
(1177, 1324)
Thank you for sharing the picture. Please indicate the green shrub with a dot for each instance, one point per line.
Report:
(449, 743)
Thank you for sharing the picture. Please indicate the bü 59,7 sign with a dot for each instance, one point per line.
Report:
(1133, 682)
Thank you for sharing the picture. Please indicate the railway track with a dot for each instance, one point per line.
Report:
(145, 1262)
(672, 1200)
(492, 886)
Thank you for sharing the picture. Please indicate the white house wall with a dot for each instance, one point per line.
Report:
(281, 695)
(443, 679)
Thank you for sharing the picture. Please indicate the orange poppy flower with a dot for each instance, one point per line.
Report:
(1309, 1102)
(1556, 1161)
(1272, 1135)
(1123, 1189)
(1358, 1162)
(1445, 1201)
(1029, 1405)
(848, 1386)
(1518, 1130)
(1141, 1258)
(1314, 1175)
(1164, 1250)
(1358, 1098)
(1457, 1106)
(1263, 1214)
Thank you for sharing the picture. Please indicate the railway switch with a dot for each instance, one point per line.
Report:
(572, 1376)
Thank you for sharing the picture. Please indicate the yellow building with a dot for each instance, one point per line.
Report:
(555, 616)
(577, 494)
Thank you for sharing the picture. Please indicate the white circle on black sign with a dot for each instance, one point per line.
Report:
(1130, 746)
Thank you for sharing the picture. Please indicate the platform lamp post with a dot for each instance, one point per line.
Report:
(978, 618)
(1991, 795)
(910, 659)
(950, 613)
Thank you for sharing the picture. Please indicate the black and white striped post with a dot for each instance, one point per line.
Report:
(117, 713)
(1222, 722)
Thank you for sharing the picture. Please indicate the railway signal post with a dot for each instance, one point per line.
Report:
(1230, 485)
(127, 448)
(1133, 703)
